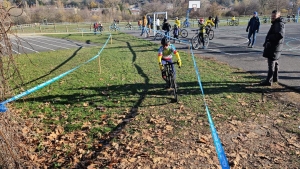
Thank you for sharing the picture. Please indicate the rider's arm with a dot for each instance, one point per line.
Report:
(175, 52)
(177, 55)
(160, 52)
(248, 25)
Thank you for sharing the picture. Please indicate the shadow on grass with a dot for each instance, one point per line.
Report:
(57, 67)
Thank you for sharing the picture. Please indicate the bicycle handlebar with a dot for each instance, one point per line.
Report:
(171, 63)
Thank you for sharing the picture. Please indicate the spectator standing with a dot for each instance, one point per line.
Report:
(253, 28)
(144, 26)
(140, 24)
(149, 23)
(95, 27)
(157, 24)
(216, 22)
(273, 47)
(166, 27)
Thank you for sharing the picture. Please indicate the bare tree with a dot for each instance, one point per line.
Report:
(153, 7)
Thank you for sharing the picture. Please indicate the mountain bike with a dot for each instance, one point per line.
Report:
(233, 23)
(129, 26)
(170, 76)
(182, 32)
(196, 41)
(159, 35)
(114, 27)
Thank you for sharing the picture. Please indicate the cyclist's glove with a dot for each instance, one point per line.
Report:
(160, 66)
(179, 62)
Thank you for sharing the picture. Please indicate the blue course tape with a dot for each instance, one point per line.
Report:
(219, 148)
(42, 85)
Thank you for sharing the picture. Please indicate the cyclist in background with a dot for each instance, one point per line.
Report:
(233, 18)
(209, 23)
(165, 56)
(177, 22)
(202, 31)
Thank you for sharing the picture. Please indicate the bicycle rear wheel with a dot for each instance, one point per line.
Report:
(195, 42)
(211, 35)
(184, 33)
(231, 23)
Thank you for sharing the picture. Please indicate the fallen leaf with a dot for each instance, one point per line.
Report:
(156, 159)
(85, 104)
(132, 160)
(86, 125)
(52, 136)
(92, 166)
(203, 139)
(169, 127)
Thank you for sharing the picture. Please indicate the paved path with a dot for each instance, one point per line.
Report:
(230, 46)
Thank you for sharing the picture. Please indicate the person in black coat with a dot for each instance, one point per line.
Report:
(253, 28)
(273, 47)
(166, 27)
(216, 21)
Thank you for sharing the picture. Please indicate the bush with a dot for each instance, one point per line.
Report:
(232, 13)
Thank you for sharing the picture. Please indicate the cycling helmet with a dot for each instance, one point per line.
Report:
(165, 20)
(209, 17)
(176, 18)
(201, 19)
(165, 41)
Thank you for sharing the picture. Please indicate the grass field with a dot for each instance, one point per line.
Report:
(126, 105)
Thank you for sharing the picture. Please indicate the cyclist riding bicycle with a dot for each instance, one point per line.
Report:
(202, 30)
(165, 56)
(233, 18)
(209, 23)
(177, 22)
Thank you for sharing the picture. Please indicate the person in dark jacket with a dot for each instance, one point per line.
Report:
(273, 47)
(253, 28)
(216, 22)
(166, 27)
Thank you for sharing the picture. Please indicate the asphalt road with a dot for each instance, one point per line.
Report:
(230, 46)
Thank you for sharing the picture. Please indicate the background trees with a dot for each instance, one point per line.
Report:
(107, 10)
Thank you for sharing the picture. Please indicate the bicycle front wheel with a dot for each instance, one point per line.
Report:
(184, 33)
(195, 42)
(236, 23)
(211, 35)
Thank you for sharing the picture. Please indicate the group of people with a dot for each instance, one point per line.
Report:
(145, 24)
(272, 46)
(97, 27)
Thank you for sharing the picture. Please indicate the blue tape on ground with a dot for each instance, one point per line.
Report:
(42, 85)
(219, 148)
